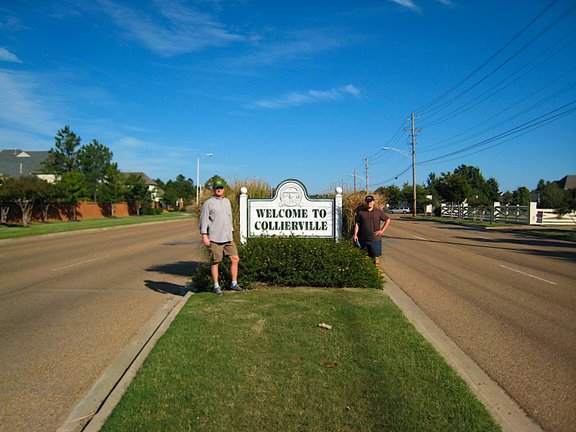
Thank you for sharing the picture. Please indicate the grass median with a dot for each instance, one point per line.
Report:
(42, 228)
(259, 362)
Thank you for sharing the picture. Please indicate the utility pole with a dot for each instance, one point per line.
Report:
(367, 187)
(354, 175)
(413, 131)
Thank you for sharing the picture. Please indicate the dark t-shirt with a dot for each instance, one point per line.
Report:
(369, 222)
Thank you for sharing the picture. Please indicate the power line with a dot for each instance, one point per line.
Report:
(535, 105)
(423, 110)
(501, 65)
(498, 87)
(525, 127)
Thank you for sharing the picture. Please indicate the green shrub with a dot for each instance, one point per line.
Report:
(148, 211)
(296, 261)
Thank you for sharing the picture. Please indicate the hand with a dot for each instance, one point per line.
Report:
(206, 240)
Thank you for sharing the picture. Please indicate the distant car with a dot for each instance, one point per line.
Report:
(402, 210)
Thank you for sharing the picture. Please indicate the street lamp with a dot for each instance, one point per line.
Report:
(198, 174)
(413, 156)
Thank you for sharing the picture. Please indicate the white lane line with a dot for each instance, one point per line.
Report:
(419, 238)
(79, 263)
(528, 274)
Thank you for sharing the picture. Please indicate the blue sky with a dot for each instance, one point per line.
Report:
(310, 90)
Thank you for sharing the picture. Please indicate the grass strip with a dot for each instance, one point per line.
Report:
(565, 233)
(41, 228)
(259, 362)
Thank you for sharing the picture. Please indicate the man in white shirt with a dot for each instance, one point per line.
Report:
(216, 229)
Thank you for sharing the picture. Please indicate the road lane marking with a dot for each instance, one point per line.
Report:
(418, 237)
(79, 263)
(528, 274)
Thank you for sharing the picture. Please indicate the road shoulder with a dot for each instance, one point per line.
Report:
(93, 410)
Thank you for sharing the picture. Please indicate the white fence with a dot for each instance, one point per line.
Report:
(527, 215)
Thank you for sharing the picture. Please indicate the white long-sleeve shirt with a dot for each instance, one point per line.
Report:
(216, 219)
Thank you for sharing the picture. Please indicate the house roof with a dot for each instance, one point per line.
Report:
(567, 182)
(144, 177)
(17, 163)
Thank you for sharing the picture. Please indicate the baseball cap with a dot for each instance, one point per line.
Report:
(218, 184)
(369, 198)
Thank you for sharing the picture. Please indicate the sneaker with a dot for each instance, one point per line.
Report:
(218, 291)
(237, 287)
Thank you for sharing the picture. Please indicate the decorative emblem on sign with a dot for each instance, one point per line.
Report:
(290, 195)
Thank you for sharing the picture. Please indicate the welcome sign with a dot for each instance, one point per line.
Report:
(290, 213)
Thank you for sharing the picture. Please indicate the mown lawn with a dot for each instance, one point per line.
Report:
(259, 362)
(39, 228)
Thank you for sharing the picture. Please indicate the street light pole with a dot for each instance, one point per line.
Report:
(198, 174)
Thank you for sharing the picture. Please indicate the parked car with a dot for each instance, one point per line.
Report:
(402, 210)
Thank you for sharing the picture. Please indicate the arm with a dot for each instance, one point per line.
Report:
(381, 230)
(204, 220)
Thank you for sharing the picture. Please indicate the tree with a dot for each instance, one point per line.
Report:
(24, 192)
(549, 195)
(4, 201)
(47, 197)
(492, 190)
(179, 188)
(466, 183)
(453, 188)
(520, 196)
(112, 189)
(393, 195)
(160, 183)
(136, 192)
(408, 195)
(93, 161)
(431, 182)
(63, 157)
(71, 190)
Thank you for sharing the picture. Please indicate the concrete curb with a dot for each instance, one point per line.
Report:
(93, 410)
(504, 410)
(91, 413)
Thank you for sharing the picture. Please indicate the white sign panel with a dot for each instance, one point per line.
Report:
(291, 213)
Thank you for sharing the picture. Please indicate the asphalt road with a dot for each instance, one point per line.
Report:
(507, 299)
(69, 303)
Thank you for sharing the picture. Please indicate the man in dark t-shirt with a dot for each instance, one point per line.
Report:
(367, 228)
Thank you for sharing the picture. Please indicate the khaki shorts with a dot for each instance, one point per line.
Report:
(220, 250)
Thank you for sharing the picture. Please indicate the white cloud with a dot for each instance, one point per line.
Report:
(449, 3)
(311, 96)
(7, 56)
(179, 29)
(21, 106)
(282, 48)
(407, 4)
